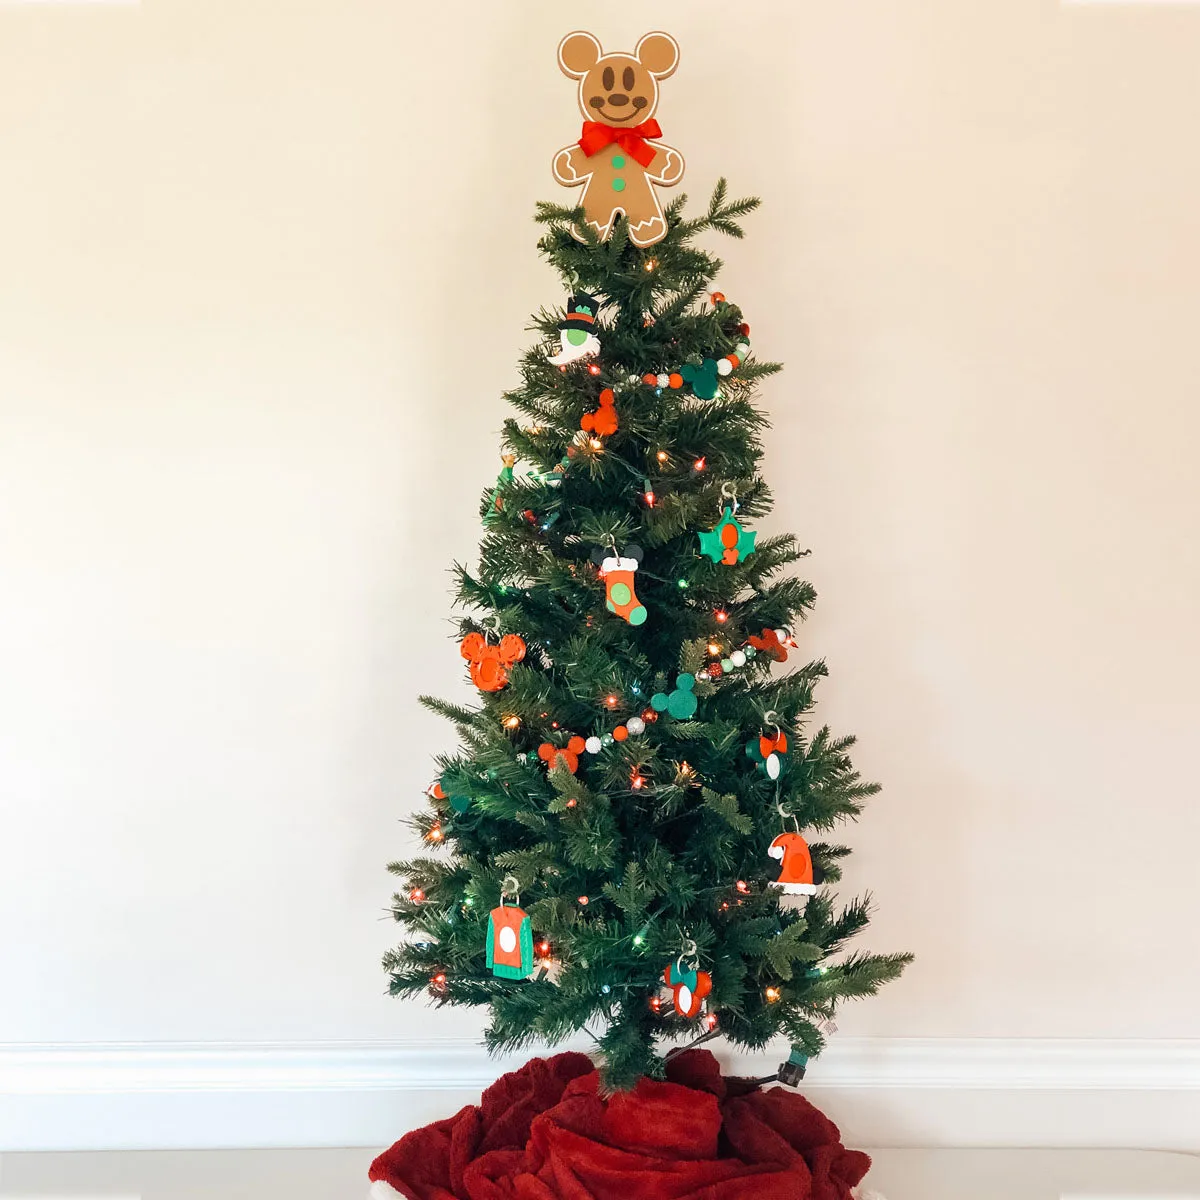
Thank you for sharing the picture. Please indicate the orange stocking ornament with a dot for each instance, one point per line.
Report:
(618, 571)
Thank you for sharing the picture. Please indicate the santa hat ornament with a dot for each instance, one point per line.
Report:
(509, 936)
(576, 333)
(796, 865)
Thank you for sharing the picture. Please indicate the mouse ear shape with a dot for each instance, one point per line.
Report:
(472, 645)
(658, 53)
(546, 752)
(512, 648)
(599, 555)
(579, 52)
(633, 551)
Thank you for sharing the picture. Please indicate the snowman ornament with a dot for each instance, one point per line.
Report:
(576, 332)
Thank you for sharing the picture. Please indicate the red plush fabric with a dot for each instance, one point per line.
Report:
(544, 1132)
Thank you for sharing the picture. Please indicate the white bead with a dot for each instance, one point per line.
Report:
(724, 367)
(742, 349)
(664, 381)
(635, 725)
(738, 658)
(592, 745)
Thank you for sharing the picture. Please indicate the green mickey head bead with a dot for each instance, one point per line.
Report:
(703, 378)
(681, 703)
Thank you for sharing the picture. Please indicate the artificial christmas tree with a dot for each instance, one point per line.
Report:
(611, 831)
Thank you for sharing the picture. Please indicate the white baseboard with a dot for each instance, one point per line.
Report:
(883, 1092)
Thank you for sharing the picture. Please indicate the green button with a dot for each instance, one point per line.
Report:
(618, 185)
(618, 161)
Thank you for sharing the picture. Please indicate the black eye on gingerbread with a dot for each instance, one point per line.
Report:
(627, 79)
(608, 79)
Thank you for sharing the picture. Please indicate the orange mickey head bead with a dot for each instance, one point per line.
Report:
(489, 664)
(568, 756)
(770, 643)
(602, 422)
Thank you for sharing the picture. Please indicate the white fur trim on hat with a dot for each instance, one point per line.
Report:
(381, 1190)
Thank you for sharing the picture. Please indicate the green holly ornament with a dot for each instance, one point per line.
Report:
(728, 542)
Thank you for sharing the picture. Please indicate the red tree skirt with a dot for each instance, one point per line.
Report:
(545, 1133)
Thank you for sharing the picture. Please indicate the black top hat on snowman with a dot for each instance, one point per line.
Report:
(581, 312)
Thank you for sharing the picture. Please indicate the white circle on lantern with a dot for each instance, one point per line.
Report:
(592, 745)
(724, 367)
(774, 765)
(738, 658)
(508, 939)
(683, 999)
(635, 725)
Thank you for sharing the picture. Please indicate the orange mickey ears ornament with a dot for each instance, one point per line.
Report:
(688, 985)
(489, 664)
(618, 159)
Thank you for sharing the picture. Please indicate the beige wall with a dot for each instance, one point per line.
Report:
(264, 272)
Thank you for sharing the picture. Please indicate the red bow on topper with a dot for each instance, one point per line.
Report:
(597, 135)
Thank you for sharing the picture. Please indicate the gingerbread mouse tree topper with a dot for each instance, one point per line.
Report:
(618, 159)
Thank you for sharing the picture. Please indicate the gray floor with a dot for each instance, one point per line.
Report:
(341, 1175)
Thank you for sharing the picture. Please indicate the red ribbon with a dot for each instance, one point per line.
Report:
(633, 141)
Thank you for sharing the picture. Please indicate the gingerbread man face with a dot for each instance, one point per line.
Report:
(489, 664)
(618, 159)
(618, 89)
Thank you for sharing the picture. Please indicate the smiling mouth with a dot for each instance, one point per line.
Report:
(600, 109)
